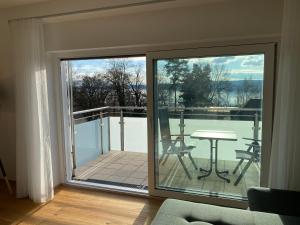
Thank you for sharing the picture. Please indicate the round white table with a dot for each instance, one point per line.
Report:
(214, 136)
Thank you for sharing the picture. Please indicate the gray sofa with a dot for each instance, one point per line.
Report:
(177, 212)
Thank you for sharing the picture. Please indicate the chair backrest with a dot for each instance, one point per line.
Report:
(257, 151)
(164, 125)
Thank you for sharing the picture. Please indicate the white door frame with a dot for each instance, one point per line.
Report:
(269, 68)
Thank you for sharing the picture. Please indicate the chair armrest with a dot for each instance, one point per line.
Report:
(171, 140)
(251, 139)
(185, 135)
(277, 201)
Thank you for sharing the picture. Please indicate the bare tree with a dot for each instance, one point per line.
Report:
(248, 90)
(118, 77)
(90, 93)
(137, 85)
(226, 97)
(220, 85)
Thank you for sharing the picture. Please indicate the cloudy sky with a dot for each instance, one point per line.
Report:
(96, 66)
(238, 67)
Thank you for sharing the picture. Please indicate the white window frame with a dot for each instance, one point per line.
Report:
(63, 108)
(269, 68)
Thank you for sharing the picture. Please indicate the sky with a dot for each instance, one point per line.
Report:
(238, 67)
(93, 66)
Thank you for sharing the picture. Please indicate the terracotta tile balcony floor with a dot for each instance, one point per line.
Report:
(130, 169)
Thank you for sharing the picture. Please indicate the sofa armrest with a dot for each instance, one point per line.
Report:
(277, 201)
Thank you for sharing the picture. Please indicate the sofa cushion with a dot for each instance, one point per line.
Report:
(177, 212)
(283, 202)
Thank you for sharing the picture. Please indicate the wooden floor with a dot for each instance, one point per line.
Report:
(78, 207)
(130, 169)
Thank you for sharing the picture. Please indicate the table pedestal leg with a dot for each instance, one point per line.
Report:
(216, 166)
(208, 172)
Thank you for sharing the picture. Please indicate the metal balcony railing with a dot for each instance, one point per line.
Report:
(103, 115)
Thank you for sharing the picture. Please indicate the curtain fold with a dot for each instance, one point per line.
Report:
(285, 154)
(33, 141)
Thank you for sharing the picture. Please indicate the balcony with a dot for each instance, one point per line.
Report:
(111, 148)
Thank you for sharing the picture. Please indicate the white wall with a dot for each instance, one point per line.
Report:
(217, 20)
(226, 19)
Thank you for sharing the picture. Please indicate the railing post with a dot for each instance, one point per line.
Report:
(108, 128)
(181, 126)
(73, 148)
(101, 132)
(73, 151)
(122, 129)
(256, 127)
(73, 161)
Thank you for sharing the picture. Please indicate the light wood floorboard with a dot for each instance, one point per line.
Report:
(78, 207)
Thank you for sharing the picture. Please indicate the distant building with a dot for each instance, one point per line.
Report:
(252, 107)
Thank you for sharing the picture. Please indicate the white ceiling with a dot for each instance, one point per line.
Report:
(13, 3)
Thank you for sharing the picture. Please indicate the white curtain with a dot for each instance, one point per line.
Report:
(285, 155)
(33, 142)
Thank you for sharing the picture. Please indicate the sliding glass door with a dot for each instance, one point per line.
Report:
(108, 109)
(209, 116)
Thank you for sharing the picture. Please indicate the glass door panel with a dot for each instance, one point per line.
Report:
(208, 122)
